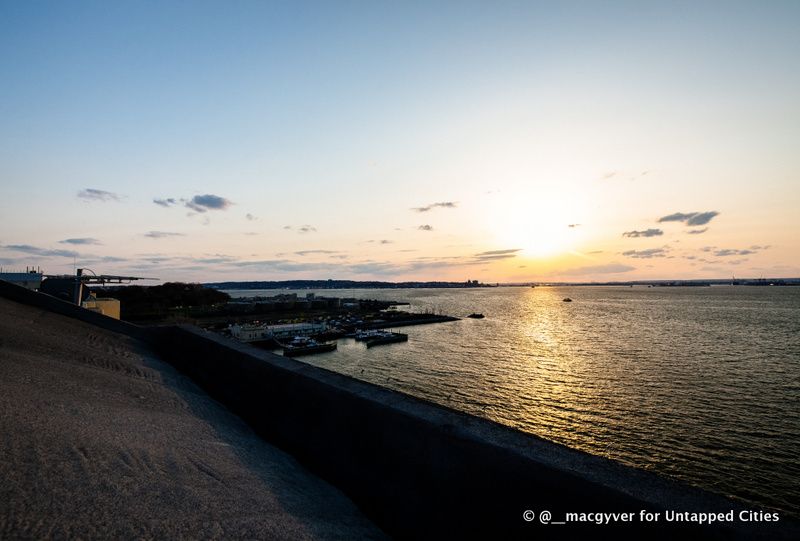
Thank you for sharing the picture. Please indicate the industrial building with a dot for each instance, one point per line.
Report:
(30, 279)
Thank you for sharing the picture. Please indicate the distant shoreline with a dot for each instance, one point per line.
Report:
(354, 284)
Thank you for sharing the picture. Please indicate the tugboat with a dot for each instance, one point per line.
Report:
(302, 345)
(476, 316)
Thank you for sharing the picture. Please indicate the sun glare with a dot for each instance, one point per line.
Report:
(539, 226)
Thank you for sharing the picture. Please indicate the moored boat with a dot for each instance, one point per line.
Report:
(302, 345)
(386, 338)
(364, 335)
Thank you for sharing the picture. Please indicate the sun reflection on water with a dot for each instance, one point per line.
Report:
(692, 384)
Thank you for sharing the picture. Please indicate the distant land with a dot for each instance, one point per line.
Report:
(356, 284)
(341, 284)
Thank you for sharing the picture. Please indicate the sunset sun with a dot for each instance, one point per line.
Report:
(540, 228)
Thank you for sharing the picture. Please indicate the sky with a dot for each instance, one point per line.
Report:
(497, 141)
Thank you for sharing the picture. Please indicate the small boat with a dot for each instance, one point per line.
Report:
(476, 316)
(386, 338)
(567, 299)
(302, 345)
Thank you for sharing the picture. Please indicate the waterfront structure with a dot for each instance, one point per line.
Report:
(256, 333)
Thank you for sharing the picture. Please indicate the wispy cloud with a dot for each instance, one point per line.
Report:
(214, 259)
(92, 194)
(690, 218)
(35, 250)
(112, 259)
(484, 258)
(611, 268)
(425, 227)
(83, 241)
(645, 233)
(301, 229)
(730, 252)
(250, 217)
(630, 175)
(306, 252)
(430, 263)
(287, 265)
(204, 203)
(162, 234)
(646, 254)
(91, 260)
(573, 226)
(697, 231)
(442, 204)
(499, 252)
(168, 202)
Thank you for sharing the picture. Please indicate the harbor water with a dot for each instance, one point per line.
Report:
(700, 384)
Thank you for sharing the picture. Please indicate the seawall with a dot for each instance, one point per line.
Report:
(417, 469)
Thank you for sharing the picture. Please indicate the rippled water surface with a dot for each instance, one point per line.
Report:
(701, 384)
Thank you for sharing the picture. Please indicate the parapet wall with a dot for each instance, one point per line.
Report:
(417, 469)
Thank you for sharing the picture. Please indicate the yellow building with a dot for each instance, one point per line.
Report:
(104, 305)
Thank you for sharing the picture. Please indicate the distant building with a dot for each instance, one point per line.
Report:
(66, 289)
(102, 305)
(255, 333)
(30, 279)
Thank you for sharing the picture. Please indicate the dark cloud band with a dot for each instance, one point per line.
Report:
(690, 218)
(442, 204)
(645, 233)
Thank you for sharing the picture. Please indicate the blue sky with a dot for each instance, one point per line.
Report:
(321, 127)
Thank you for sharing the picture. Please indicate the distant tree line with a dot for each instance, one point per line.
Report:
(159, 302)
